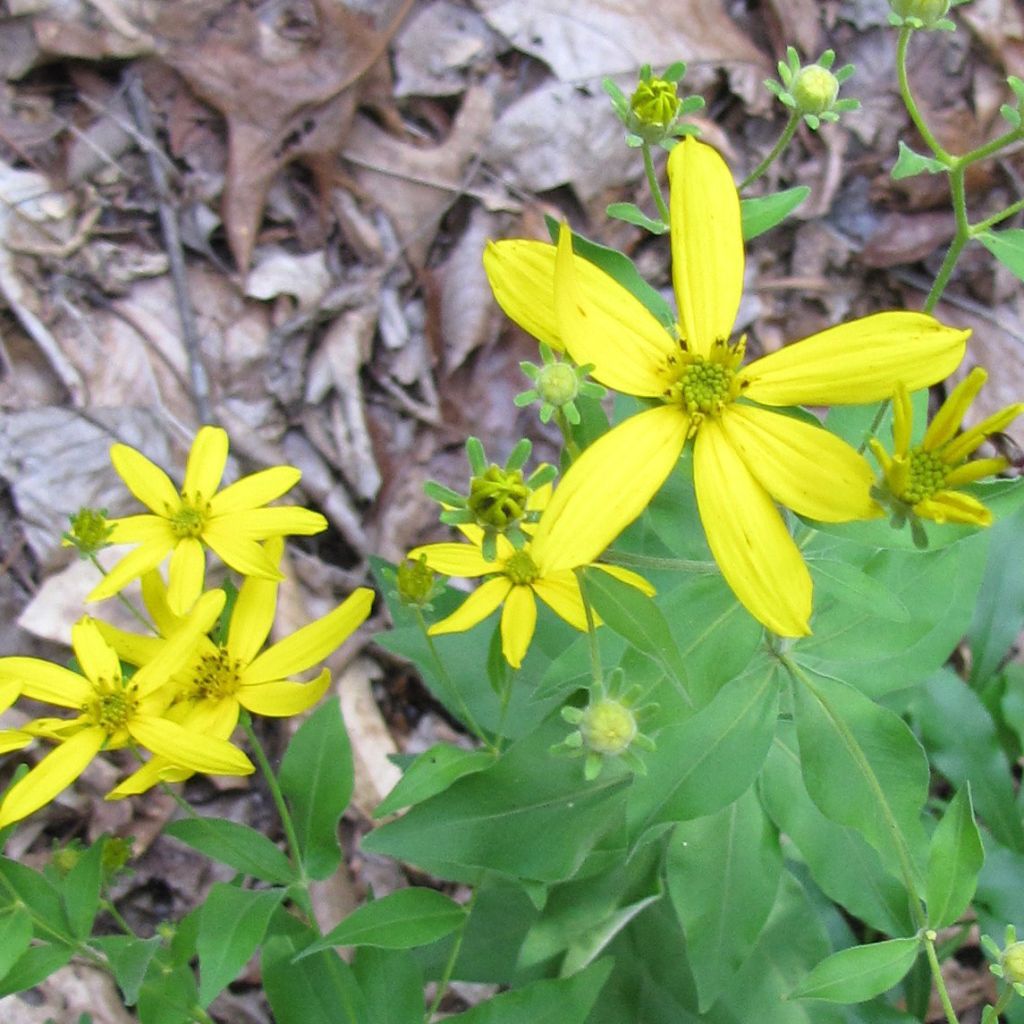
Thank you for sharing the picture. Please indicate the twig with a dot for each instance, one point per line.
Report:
(175, 254)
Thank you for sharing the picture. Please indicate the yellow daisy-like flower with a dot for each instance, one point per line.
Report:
(220, 679)
(517, 579)
(922, 480)
(230, 522)
(746, 457)
(113, 711)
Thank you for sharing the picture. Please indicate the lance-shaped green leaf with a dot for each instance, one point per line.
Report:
(864, 768)
(81, 890)
(955, 857)
(129, 959)
(317, 778)
(723, 872)
(236, 845)
(1007, 247)
(33, 966)
(432, 773)
(761, 213)
(401, 920)
(15, 936)
(856, 974)
(392, 983)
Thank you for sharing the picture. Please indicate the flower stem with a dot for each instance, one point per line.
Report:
(911, 104)
(449, 967)
(136, 614)
(784, 139)
(442, 671)
(996, 218)
(595, 648)
(940, 982)
(652, 180)
(572, 449)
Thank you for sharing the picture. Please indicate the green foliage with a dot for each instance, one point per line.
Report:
(238, 846)
(856, 974)
(761, 213)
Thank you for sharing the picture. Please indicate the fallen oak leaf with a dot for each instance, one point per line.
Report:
(287, 77)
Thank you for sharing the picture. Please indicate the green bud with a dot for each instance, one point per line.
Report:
(1012, 961)
(653, 108)
(928, 13)
(497, 498)
(90, 531)
(66, 858)
(608, 727)
(558, 384)
(415, 582)
(815, 89)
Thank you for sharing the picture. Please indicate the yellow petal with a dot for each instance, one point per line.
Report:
(139, 561)
(311, 644)
(279, 521)
(130, 647)
(707, 244)
(243, 554)
(455, 559)
(206, 462)
(560, 591)
(10, 691)
(94, 654)
(54, 773)
(607, 487)
(521, 273)
(858, 362)
(42, 680)
(139, 529)
(153, 772)
(954, 507)
(475, 608)
(14, 739)
(281, 699)
(189, 749)
(255, 490)
(518, 621)
(147, 481)
(977, 469)
(634, 579)
(960, 447)
(748, 538)
(253, 614)
(185, 575)
(612, 329)
(951, 414)
(154, 597)
(902, 420)
(801, 466)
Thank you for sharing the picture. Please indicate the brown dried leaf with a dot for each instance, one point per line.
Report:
(906, 238)
(1000, 25)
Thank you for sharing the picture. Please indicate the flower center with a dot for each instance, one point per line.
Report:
(520, 568)
(705, 387)
(926, 475)
(190, 518)
(113, 705)
(215, 676)
(498, 497)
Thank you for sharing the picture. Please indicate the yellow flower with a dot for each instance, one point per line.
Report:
(230, 522)
(113, 711)
(922, 480)
(220, 679)
(746, 457)
(517, 578)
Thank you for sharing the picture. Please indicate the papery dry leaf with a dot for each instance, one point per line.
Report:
(96, 29)
(285, 76)
(416, 185)
(65, 996)
(906, 238)
(799, 24)
(585, 39)
(278, 272)
(1000, 25)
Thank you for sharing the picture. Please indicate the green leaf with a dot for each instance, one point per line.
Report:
(401, 920)
(852, 587)
(955, 857)
(761, 213)
(239, 846)
(561, 1001)
(636, 617)
(232, 923)
(129, 959)
(392, 984)
(321, 989)
(81, 890)
(856, 880)
(15, 936)
(862, 766)
(316, 776)
(1007, 247)
(632, 214)
(961, 740)
(432, 773)
(909, 163)
(531, 815)
(855, 974)
(33, 966)
(723, 872)
(704, 763)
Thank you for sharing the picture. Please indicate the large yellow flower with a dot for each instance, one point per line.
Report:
(230, 522)
(113, 711)
(517, 578)
(924, 479)
(219, 680)
(746, 457)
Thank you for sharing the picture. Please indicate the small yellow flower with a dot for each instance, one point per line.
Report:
(923, 480)
(230, 522)
(220, 679)
(515, 579)
(747, 456)
(113, 711)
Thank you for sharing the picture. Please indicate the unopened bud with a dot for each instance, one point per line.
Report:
(815, 89)
(927, 12)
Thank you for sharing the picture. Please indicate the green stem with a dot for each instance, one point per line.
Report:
(996, 218)
(784, 139)
(463, 707)
(990, 148)
(911, 104)
(876, 422)
(449, 967)
(572, 449)
(1005, 998)
(940, 983)
(38, 923)
(630, 560)
(960, 239)
(136, 614)
(652, 180)
(111, 909)
(596, 671)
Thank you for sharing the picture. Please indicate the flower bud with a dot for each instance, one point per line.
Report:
(415, 581)
(557, 384)
(90, 531)
(653, 108)
(1012, 962)
(927, 12)
(815, 89)
(608, 727)
(498, 497)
